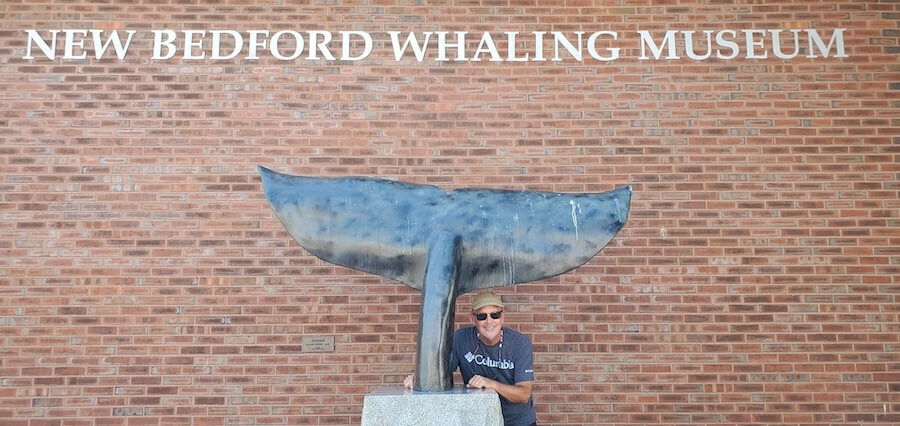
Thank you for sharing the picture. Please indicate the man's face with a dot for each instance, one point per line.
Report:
(489, 328)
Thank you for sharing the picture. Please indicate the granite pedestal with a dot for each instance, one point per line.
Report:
(390, 406)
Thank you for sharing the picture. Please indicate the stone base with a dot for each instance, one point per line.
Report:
(390, 406)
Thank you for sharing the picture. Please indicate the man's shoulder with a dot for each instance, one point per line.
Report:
(464, 332)
(515, 336)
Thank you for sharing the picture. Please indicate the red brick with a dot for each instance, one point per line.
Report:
(144, 280)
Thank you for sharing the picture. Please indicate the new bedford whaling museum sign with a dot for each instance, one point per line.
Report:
(458, 46)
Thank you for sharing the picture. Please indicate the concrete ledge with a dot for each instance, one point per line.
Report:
(389, 406)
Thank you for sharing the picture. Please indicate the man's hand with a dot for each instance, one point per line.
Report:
(409, 381)
(479, 382)
(519, 392)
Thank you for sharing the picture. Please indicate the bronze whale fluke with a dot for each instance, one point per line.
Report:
(444, 244)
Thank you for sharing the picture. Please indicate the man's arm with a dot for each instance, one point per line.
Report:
(518, 393)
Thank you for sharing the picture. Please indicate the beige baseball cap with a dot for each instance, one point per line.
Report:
(487, 298)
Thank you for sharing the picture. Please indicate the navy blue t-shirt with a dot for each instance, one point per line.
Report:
(508, 362)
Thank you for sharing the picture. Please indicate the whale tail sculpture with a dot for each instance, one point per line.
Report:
(444, 244)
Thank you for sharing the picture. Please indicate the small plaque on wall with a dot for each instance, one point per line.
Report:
(318, 344)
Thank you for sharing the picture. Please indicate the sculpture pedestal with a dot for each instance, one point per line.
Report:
(389, 406)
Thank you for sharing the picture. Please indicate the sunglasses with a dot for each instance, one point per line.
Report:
(483, 316)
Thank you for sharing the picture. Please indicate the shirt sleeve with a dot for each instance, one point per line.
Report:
(524, 360)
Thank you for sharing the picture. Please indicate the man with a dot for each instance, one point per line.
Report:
(493, 357)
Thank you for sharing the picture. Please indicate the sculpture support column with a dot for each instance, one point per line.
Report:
(436, 314)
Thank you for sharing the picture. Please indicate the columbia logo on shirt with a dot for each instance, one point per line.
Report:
(488, 362)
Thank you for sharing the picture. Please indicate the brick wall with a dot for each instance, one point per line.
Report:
(144, 280)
